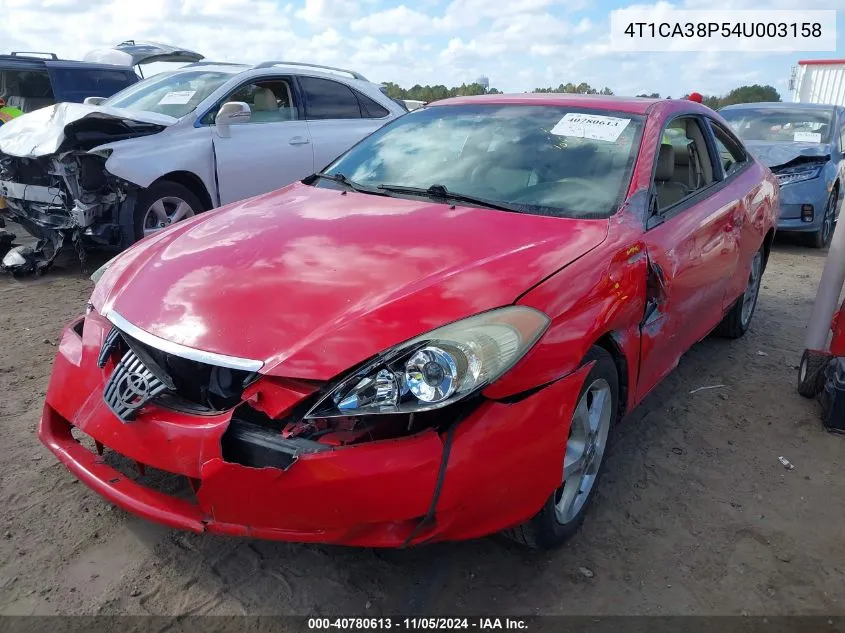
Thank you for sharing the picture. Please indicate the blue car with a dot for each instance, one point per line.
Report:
(804, 146)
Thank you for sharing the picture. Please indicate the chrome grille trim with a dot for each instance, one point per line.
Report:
(176, 349)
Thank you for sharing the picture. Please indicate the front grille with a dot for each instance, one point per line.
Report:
(131, 386)
(174, 382)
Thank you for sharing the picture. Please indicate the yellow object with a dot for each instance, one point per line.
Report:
(8, 113)
(2, 202)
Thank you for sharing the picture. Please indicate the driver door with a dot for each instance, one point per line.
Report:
(270, 151)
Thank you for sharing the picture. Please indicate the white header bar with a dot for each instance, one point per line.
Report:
(663, 29)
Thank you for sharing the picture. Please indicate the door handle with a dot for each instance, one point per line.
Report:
(299, 140)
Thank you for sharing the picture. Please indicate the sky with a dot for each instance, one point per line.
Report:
(518, 44)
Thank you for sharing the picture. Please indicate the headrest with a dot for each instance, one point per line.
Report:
(265, 100)
(682, 153)
(665, 163)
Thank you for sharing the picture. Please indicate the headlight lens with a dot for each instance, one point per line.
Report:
(798, 175)
(437, 368)
(97, 274)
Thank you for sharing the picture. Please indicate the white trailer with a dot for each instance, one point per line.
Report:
(818, 81)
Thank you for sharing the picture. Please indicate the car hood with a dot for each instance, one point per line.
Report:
(43, 131)
(313, 281)
(779, 153)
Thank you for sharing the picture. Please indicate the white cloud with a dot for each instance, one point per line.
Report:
(520, 44)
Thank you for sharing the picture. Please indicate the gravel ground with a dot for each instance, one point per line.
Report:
(695, 514)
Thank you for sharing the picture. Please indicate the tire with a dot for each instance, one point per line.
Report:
(163, 195)
(811, 373)
(822, 237)
(736, 322)
(563, 513)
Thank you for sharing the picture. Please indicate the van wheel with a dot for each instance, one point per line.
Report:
(161, 204)
(593, 418)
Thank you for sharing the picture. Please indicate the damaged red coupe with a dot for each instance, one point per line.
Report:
(429, 340)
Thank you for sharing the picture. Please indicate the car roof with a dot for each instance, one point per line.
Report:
(223, 67)
(24, 61)
(631, 105)
(779, 105)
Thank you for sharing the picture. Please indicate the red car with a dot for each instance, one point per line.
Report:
(430, 340)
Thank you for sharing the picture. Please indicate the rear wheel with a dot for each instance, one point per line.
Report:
(161, 204)
(593, 418)
(822, 237)
(736, 322)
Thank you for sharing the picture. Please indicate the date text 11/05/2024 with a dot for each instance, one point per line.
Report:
(417, 623)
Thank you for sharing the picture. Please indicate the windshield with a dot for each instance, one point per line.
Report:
(174, 93)
(549, 160)
(794, 125)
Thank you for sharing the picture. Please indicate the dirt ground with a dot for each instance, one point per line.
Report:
(695, 514)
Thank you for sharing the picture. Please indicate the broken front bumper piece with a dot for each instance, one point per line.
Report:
(26, 259)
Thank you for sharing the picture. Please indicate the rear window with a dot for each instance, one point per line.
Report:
(326, 99)
(75, 84)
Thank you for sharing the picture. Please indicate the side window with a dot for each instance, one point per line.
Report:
(326, 99)
(842, 139)
(269, 100)
(731, 154)
(27, 90)
(369, 108)
(683, 165)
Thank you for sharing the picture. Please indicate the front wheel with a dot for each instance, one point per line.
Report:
(161, 204)
(736, 322)
(822, 237)
(594, 416)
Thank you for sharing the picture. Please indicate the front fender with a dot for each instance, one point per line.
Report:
(603, 293)
(144, 160)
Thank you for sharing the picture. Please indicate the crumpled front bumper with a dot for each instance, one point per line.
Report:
(503, 462)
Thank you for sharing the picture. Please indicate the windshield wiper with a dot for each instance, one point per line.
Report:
(439, 192)
(343, 180)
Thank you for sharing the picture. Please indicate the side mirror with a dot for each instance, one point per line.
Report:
(93, 100)
(233, 113)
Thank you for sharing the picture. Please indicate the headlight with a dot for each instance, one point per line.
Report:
(798, 175)
(437, 368)
(95, 276)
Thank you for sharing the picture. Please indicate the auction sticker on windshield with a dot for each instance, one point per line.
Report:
(807, 137)
(593, 126)
(178, 97)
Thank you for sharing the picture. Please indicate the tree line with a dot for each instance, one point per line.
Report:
(744, 94)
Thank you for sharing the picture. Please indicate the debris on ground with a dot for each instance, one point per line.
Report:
(586, 572)
(696, 390)
(761, 353)
(786, 463)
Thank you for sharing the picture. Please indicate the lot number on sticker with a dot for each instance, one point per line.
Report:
(807, 137)
(593, 126)
(179, 97)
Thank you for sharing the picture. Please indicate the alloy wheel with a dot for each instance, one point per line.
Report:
(164, 212)
(584, 449)
(749, 298)
(827, 222)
